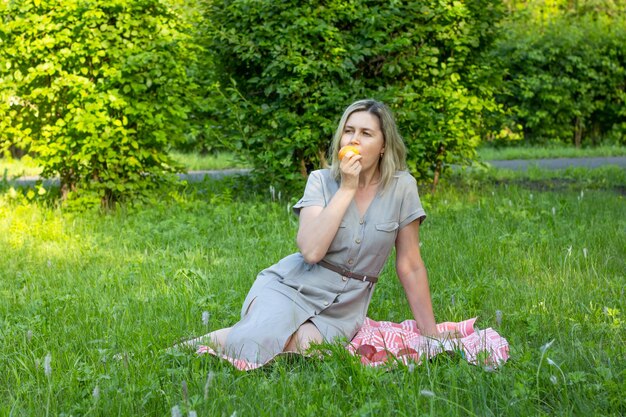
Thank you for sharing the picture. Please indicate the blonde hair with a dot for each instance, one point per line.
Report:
(394, 158)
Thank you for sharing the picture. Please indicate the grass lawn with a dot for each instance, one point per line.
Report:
(11, 168)
(487, 153)
(193, 162)
(90, 301)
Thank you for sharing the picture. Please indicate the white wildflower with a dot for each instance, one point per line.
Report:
(427, 393)
(553, 379)
(29, 335)
(192, 413)
(531, 196)
(411, 367)
(207, 385)
(550, 362)
(273, 192)
(176, 411)
(498, 317)
(205, 318)
(554, 211)
(545, 347)
(569, 250)
(47, 368)
(585, 252)
(185, 391)
(96, 393)
(103, 356)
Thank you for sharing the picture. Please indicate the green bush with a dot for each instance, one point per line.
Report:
(202, 134)
(96, 90)
(288, 69)
(564, 78)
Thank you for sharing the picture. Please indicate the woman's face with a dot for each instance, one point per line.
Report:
(362, 130)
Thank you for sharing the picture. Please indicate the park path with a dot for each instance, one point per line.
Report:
(514, 164)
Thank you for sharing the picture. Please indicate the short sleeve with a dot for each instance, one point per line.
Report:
(313, 193)
(411, 208)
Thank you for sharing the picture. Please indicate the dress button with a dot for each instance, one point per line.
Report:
(361, 221)
(350, 261)
(344, 279)
(325, 303)
(357, 241)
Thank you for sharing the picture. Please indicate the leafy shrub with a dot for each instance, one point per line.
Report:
(202, 131)
(564, 78)
(288, 69)
(96, 90)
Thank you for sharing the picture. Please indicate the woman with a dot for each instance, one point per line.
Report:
(351, 216)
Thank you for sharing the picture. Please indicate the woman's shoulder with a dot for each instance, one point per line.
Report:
(322, 171)
(404, 179)
(323, 174)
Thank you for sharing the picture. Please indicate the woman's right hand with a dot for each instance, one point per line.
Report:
(350, 168)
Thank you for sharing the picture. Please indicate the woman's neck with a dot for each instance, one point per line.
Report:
(369, 178)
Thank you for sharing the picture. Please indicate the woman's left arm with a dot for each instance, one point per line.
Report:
(414, 278)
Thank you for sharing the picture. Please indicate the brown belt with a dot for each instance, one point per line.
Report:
(346, 273)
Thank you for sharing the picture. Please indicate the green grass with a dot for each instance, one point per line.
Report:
(103, 295)
(194, 162)
(11, 168)
(609, 177)
(488, 153)
(26, 166)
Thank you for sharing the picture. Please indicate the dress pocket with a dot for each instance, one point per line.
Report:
(386, 233)
(387, 227)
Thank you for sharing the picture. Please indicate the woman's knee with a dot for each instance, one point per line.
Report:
(306, 334)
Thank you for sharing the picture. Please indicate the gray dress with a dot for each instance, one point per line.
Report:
(292, 291)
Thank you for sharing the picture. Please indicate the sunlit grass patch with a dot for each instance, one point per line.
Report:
(27, 166)
(11, 168)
